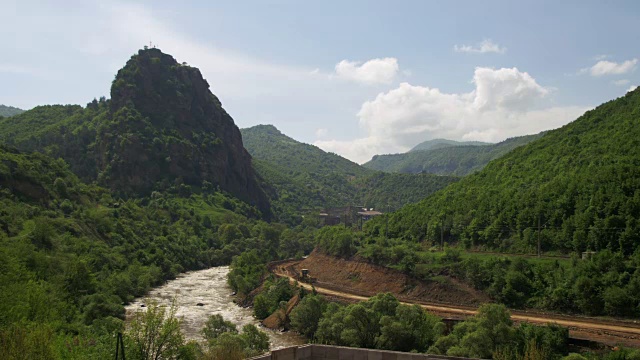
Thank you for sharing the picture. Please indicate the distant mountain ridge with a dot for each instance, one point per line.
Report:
(7, 111)
(447, 158)
(443, 143)
(266, 142)
(299, 175)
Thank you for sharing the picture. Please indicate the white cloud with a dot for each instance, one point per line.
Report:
(632, 88)
(505, 88)
(605, 67)
(621, 82)
(134, 25)
(600, 57)
(321, 132)
(486, 46)
(374, 71)
(505, 103)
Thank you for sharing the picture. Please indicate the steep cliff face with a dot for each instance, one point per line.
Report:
(166, 128)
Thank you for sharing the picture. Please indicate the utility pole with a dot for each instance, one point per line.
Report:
(119, 347)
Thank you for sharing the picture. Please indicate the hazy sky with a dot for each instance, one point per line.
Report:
(354, 77)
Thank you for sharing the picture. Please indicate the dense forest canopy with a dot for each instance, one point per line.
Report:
(580, 185)
(71, 254)
(443, 143)
(301, 176)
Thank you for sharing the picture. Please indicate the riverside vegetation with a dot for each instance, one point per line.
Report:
(100, 203)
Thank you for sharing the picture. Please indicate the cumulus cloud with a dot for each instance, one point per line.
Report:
(632, 88)
(605, 67)
(486, 46)
(374, 71)
(505, 102)
(505, 88)
(621, 82)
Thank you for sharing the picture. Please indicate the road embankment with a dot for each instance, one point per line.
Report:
(357, 281)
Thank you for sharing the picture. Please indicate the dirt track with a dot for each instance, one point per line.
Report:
(592, 329)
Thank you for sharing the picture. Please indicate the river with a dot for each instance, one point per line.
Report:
(208, 287)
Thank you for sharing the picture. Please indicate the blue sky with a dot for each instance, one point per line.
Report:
(354, 77)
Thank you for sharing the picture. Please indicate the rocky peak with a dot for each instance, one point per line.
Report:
(167, 128)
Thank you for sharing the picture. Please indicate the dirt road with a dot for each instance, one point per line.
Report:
(598, 330)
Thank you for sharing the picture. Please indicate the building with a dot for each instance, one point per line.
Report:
(368, 214)
(347, 215)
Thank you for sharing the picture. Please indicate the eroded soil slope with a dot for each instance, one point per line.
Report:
(368, 279)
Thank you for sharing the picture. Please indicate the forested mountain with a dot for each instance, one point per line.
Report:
(266, 142)
(301, 176)
(447, 158)
(443, 143)
(6, 111)
(71, 254)
(162, 128)
(580, 185)
(101, 203)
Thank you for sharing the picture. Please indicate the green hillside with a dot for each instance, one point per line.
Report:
(443, 143)
(300, 176)
(448, 158)
(267, 143)
(87, 223)
(580, 185)
(161, 129)
(71, 254)
(6, 111)
(65, 131)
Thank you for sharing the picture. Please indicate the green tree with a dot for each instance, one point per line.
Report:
(480, 336)
(155, 333)
(216, 325)
(409, 329)
(228, 344)
(617, 301)
(257, 342)
(306, 316)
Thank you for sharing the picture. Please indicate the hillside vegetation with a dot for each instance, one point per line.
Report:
(449, 158)
(300, 176)
(71, 254)
(101, 203)
(6, 111)
(443, 143)
(267, 143)
(162, 128)
(580, 185)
